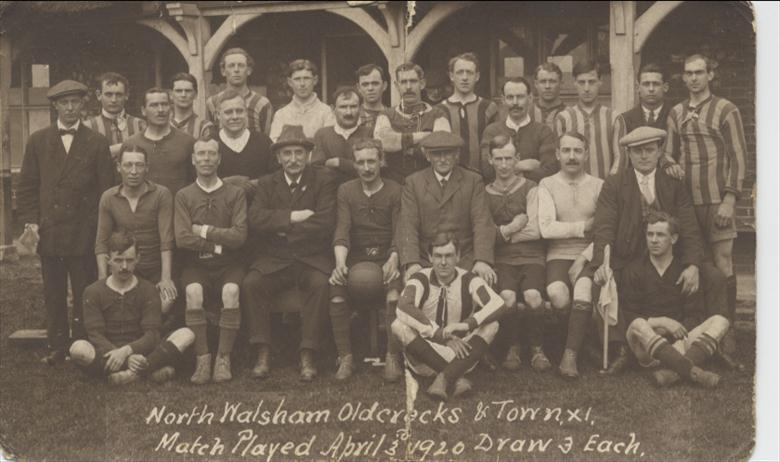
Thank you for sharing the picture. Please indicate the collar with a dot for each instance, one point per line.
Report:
(415, 109)
(183, 121)
(290, 180)
(72, 127)
(595, 110)
(241, 139)
(121, 291)
(706, 100)
(435, 279)
(345, 132)
(650, 176)
(515, 127)
(371, 193)
(440, 177)
(518, 181)
(120, 116)
(211, 189)
(149, 187)
(655, 111)
(305, 105)
(457, 99)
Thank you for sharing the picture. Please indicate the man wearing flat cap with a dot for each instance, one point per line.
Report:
(625, 201)
(446, 197)
(293, 216)
(66, 168)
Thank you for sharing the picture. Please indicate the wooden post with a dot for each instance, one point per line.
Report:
(7, 249)
(622, 59)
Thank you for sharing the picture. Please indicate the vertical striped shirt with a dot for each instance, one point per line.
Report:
(597, 128)
(194, 125)
(546, 115)
(258, 109)
(117, 129)
(709, 142)
(468, 119)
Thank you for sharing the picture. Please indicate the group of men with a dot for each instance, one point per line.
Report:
(474, 216)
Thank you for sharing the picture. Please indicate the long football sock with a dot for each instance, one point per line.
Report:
(340, 321)
(672, 359)
(423, 351)
(579, 319)
(195, 319)
(460, 366)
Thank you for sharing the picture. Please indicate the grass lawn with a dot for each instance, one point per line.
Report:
(58, 414)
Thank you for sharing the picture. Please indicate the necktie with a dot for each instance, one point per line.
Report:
(441, 308)
(67, 131)
(650, 117)
(644, 187)
(443, 183)
(293, 185)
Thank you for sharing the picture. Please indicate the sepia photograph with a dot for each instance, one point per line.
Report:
(385, 231)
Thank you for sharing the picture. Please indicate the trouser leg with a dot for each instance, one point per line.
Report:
(55, 291)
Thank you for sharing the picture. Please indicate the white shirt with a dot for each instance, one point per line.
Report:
(67, 140)
(441, 178)
(646, 185)
(290, 180)
(345, 132)
(656, 112)
(311, 115)
(216, 186)
(515, 127)
(237, 144)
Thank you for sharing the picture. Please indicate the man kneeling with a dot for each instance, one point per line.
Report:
(122, 317)
(446, 318)
(651, 297)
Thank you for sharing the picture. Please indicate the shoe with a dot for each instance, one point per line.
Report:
(263, 365)
(222, 368)
(54, 358)
(202, 370)
(163, 374)
(665, 377)
(729, 361)
(308, 369)
(122, 377)
(620, 363)
(512, 361)
(539, 360)
(393, 369)
(438, 388)
(346, 367)
(462, 386)
(568, 366)
(704, 378)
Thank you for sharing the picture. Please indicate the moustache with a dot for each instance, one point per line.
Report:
(515, 108)
(572, 162)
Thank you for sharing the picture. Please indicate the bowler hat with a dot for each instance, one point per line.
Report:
(66, 87)
(292, 135)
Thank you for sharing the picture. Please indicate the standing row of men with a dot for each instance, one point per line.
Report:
(444, 198)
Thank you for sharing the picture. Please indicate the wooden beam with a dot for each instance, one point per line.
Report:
(7, 250)
(440, 12)
(227, 29)
(622, 58)
(650, 19)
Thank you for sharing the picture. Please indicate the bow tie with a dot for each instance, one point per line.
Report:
(67, 131)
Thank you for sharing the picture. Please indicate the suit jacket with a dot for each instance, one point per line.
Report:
(281, 243)
(619, 221)
(60, 191)
(461, 208)
(626, 123)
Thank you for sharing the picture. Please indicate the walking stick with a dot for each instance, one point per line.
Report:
(605, 315)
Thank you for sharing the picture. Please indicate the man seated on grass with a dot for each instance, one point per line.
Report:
(446, 318)
(210, 227)
(122, 318)
(368, 211)
(659, 311)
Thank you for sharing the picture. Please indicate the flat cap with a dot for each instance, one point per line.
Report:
(642, 135)
(441, 141)
(66, 87)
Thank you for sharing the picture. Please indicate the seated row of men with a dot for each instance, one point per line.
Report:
(289, 240)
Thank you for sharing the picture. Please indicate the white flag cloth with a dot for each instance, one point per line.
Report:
(607, 305)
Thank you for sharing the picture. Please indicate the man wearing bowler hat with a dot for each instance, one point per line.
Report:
(625, 201)
(446, 197)
(66, 168)
(293, 215)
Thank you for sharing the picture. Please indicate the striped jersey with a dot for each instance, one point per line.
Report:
(469, 119)
(426, 304)
(116, 129)
(708, 141)
(546, 115)
(258, 109)
(597, 128)
(194, 125)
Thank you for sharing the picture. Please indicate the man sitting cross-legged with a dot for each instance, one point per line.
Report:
(656, 308)
(446, 318)
(210, 227)
(122, 318)
(368, 211)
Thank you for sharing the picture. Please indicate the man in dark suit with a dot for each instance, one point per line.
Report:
(446, 198)
(620, 222)
(293, 214)
(66, 168)
(651, 111)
